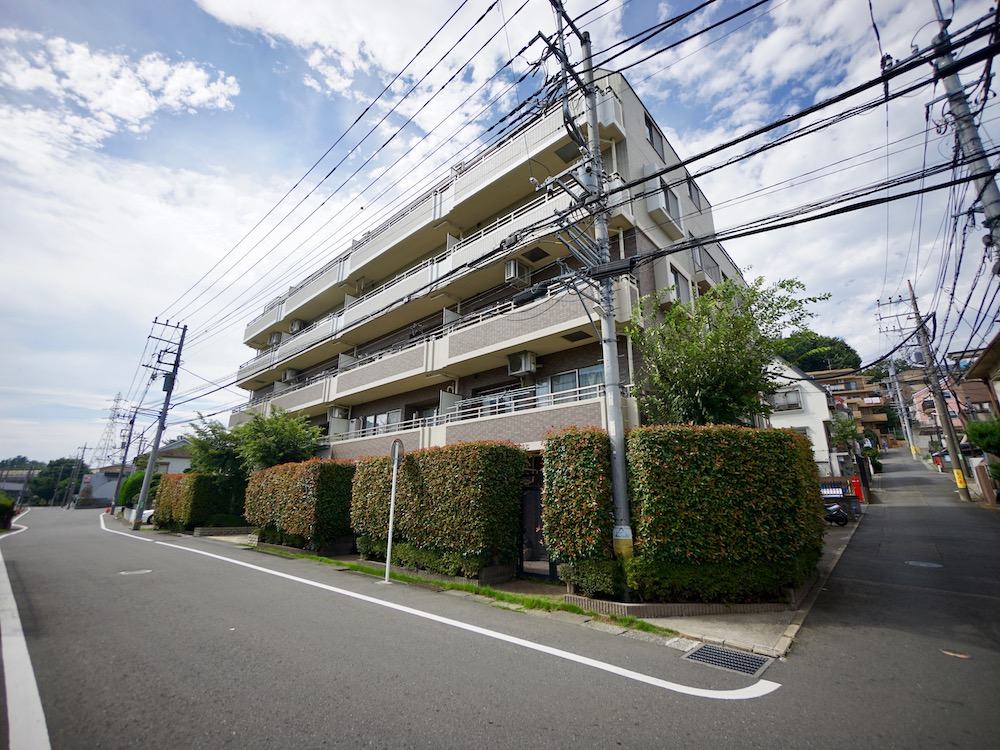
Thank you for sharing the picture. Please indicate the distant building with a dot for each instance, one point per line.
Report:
(803, 405)
(173, 457)
(855, 392)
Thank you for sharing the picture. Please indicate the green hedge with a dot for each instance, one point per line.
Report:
(577, 508)
(184, 501)
(128, 494)
(306, 502)
(455, 505)
(7, 504)
(722, 513)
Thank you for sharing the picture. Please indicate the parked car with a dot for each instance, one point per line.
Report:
(147, 515)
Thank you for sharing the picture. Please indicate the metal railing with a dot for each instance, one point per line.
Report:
(481, 407)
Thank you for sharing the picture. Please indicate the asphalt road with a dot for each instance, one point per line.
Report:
(181, 642)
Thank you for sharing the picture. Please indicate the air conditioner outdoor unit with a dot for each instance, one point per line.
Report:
(521, 363)
(336, 412)
(274, 339)
(289, 375)
(296, 325)
(517, 274)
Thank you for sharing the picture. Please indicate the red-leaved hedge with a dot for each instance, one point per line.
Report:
(310, 499)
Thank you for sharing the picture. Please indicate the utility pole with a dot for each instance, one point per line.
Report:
(67, 498)
(968, 138)
(121, 467)
(904, 416)
(591, 177)
(944, 419)
(169, 378)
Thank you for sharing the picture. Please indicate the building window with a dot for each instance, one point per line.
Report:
(785, 400)
(561, 383)
(694, 193)
(654, 136)
(570, 386)
(673, 205)
(682, 285)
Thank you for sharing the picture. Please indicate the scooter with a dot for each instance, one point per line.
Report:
(836, 514)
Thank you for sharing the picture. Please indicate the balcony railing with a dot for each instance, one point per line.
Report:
(479, 407)
(414, 279)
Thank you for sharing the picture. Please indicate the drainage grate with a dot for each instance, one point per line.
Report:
(729, 659)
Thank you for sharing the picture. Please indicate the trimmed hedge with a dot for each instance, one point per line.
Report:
(457, 506)
(184, 501)
(578, 515)
(722, 513)
(7, 504)
(307, 503)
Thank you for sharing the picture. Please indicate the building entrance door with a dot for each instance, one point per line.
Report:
(534, 557)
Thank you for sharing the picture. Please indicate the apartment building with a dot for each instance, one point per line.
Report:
(854, 391)
(432, 327)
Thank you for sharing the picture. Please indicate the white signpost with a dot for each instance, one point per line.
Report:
(396, 454)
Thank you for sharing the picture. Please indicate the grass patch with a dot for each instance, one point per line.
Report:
(545, 603)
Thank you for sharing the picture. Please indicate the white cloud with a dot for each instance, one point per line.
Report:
(110, 90)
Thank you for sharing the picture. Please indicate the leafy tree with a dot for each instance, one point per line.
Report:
(278, 438)
(51, 481)
(709, 362)
(880, 371)
(216, 452)
(20, 462)
(844, 431)
(985, 434)
(893, 424)
(811, 351)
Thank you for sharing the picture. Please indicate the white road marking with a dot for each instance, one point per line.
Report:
(756, 690)
(25, 717)
(122, 533)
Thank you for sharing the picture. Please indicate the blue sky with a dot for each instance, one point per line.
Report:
(140, 142)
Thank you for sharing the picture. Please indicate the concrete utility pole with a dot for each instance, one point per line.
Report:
(968, 138)
(944, 419)
(68, 497)
(168, 385)
(904, 416)
(121, 468)
(593, 180)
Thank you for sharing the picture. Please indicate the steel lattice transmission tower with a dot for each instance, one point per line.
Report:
(108, 448)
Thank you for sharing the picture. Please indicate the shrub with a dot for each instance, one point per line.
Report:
(577, 507)
(594, 576)
(722, 513)
(7, 504)
(128, 493)
(187, 500)
(456, 506)
(307, 503)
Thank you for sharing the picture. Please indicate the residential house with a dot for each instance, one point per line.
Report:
(173, 457)
(442, 324)
(986, 370)
(803, 405)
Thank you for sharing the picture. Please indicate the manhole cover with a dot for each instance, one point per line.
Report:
(729, 659)
(920, 564)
